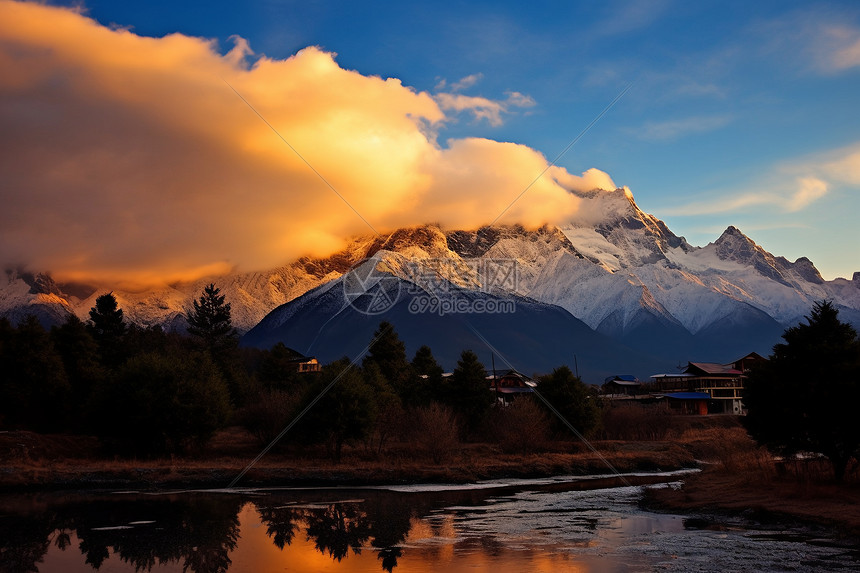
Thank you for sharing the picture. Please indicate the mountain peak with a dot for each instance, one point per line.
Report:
(734, 246)
(733, 232)
(806, 270)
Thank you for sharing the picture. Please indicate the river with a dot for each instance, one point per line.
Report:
(557, 524)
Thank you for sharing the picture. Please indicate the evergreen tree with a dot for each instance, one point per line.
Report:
(346, 412)
(388, 407)
(80, 356)
(389, 355)
(427, 385)
(108, 327)
(34, 389)
(569, 395)
(804, 398)
(277, 369)
(469, 391)
(211, 321)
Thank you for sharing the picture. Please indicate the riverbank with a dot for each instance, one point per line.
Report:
(33, 462)
(720, 493)
(746, 482)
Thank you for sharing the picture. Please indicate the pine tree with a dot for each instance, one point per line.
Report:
(427, 384)
(569, 396)
(108, 327)
(80, 355)
(211, 321)
(106, 318)
(804, 398)
(470, 394)
(34, 389)
(389, 355)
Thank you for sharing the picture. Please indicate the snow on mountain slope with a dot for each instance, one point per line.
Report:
(534, 339)
(23, 294)
(619, 270)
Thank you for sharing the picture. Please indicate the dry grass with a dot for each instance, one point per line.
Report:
(231, 450)
(766, 497)
(742, 477)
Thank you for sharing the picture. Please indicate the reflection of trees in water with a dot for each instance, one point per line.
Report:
(337, 527)
(334, 528)
(281, 524)
(23, 543)
(199, 532)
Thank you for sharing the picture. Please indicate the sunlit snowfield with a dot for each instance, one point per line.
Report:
(523, 525)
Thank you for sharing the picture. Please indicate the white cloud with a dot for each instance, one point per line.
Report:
(520, 100)
(843, 165)
(467, 82)
(480, 107)
(788, 196)
(809, 190)
(821, 41)
(483, 108)
(789, 187)
(678, 128)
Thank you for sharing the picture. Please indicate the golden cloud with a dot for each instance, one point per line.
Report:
(130, 158)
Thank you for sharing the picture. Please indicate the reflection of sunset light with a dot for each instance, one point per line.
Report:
(428, 548)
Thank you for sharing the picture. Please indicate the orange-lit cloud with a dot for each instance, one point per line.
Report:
(129, 158)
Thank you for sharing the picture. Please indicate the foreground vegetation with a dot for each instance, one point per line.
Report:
(146, 392)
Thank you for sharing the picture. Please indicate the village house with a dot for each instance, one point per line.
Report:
(705, 387)
(510, 384)
(305, 364)
(621, 387)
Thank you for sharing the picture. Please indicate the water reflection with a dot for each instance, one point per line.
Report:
(198, 532)
(500, 530)
(382, 520)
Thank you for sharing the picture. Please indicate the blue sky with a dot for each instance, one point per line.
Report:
(738, 113)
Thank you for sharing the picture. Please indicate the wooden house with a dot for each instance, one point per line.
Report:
(719, 386)
(509, 384)
(621, 387)
(305, 364)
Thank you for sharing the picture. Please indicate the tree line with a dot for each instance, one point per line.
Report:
(145, 391)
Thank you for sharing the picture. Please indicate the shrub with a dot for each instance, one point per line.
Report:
(162, 404)
(521, 427)
(636, 422)
(435, 431)
(269, 413)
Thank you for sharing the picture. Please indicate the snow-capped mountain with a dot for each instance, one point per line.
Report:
(336, 320)
(620, 271)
